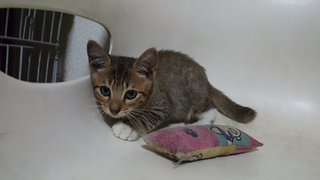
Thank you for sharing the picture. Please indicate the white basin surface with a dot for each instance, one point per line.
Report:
(262, 54)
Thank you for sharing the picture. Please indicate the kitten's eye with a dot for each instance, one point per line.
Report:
(130, 94)
(105, 91)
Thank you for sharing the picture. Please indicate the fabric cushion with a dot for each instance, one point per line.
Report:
(190, 143)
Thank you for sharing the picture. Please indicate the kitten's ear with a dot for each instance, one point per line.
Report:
(147, 62)
(98, 57)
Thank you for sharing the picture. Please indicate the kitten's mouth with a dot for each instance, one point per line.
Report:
(115, 116)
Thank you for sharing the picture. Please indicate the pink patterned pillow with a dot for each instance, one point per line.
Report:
(190, 143)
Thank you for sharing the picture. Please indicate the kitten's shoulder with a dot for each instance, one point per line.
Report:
(168, 52)
(171, 54)
(176, 57)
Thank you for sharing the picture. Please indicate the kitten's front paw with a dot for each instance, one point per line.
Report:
(124, 131)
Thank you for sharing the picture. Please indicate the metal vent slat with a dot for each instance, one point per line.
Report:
(29, 44)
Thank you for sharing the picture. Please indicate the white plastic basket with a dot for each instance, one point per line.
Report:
(263, 54)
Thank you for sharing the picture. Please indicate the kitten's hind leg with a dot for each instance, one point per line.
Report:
(124, 131)
(207, 117)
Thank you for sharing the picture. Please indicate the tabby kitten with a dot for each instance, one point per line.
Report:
(157, 88)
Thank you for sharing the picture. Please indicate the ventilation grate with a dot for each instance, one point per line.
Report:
(30, 44)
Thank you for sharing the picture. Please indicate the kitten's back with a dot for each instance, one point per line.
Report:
(185, 83)
(189, 90)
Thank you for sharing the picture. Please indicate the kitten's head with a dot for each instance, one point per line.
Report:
(121, 84)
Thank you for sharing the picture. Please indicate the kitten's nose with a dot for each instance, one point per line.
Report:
(114, 111)
(114, 108)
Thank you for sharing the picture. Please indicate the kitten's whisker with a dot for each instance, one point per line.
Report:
(139, 124)
(145, 120)
(134, 124)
